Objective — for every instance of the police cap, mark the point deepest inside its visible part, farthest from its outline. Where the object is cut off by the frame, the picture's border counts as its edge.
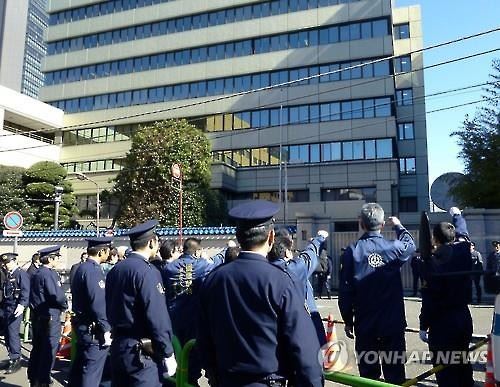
(254, 213)
(52, 250)
(99, 242)
(7, 257)
(495, 243)
(143, 231)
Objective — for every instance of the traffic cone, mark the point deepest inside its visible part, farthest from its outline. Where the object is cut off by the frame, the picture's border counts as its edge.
(331, 333)
(489, 378)
(64, 351)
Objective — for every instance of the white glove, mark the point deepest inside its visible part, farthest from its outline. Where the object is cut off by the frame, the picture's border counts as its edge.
(455, 211)
(107, 339)
(424, 336)
(394, 220)
(170, 365)
(19, 311)
(323, 233)
(231, 243)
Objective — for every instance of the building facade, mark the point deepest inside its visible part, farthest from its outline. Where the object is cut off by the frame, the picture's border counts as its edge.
(22, 24)
(351, 128)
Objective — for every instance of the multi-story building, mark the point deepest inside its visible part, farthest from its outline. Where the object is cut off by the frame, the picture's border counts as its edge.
(356, 133)
(22, 47)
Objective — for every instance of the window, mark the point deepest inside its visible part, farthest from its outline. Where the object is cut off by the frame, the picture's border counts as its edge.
(402, 31)
(407, 166)
(384, 148)
(406, 131)
(408, 204)
(404, 97)
(367, 194)
(402, 64)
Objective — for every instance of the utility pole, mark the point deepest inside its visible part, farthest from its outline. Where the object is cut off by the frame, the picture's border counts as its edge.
(57, 201)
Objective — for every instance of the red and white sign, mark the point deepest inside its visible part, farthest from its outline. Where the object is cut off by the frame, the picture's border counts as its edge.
(12, 233)
(13, 220)
(176, 171)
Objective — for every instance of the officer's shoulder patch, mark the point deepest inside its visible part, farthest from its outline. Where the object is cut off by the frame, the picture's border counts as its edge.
(160, 288)
(375, 260)
(102, 285)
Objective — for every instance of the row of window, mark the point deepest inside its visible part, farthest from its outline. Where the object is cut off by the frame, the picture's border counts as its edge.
(285, 41)
(293, 196)
(185, 23)
(87, 206)
(308, 153)
(214, 87)
(103, 8)
(407, 166)
(367, 194)
(94, 165)
(402, 31)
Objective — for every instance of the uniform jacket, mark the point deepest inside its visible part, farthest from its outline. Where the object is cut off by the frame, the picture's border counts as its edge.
(256, 325)
(370, 287)
(135, 303)
(88, 295)
(441, 291)
(16, 289)
(46, 294)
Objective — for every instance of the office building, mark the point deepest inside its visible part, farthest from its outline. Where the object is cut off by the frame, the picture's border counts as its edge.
(22, 46)
(355, 134)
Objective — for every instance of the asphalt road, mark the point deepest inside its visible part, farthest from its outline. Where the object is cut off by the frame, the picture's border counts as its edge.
(482, 316)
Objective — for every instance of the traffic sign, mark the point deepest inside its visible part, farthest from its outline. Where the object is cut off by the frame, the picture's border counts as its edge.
(12, 233)
(176, 171)
(13, 220)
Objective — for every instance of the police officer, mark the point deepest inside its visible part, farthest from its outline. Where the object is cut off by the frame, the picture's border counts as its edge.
(35, 264)
(493, 259)
(47, 300)
(90, 322)
(138, 314)
(182, 279)
(371, 295)
(257, 331)
(16, 292)
(302, 267)
(477, 266)
(445, 319)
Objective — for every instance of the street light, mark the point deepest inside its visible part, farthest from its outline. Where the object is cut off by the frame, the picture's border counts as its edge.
(82, 176)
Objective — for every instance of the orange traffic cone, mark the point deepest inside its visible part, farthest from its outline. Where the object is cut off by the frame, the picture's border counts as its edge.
(64, 351)
(489, 379)
(331, 334)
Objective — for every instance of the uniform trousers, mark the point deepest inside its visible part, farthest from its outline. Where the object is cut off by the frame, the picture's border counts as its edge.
(12, 327)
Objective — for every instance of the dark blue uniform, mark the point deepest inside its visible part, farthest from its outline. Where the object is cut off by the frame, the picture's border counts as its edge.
(371, 298)
(47, 300)
(89, 323)
(182, 279)
(16, 291)
(303, 266)
(445, 313)
(256, 326)
(136, 309)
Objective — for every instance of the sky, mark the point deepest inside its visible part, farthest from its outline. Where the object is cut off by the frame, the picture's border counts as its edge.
(445, 20)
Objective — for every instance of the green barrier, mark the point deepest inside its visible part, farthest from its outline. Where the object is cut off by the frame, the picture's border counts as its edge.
(353, 380)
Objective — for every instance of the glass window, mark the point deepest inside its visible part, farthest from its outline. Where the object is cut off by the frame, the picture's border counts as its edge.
(382, 107)
(294, 115)
(314, 153)
(366, 30)
(357, 150)
(384, 148)
(408, 204)
(404, 97)
(381, 68)
(368, 108)
(346, 110)
(405, 131)
(380, 28)
(355, 31)
(370, 149)
(333, 34)
(402, 64)
(367, 71)
(344, 33)
(335, 111)
(347, 153)
(357, 109)
(314, 113)
(402, 31)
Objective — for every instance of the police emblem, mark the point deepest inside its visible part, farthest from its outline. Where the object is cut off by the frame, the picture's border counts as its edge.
(102, 284)
(375, 260)
(160, 288)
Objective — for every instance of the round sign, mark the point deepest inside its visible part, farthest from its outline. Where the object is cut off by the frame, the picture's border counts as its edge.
(176, 171)
(13, 220)
(441, 189)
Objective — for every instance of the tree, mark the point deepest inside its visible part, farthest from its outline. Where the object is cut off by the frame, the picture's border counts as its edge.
(143, 187)
(479, 139)
(40, 181)
(12, 191)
